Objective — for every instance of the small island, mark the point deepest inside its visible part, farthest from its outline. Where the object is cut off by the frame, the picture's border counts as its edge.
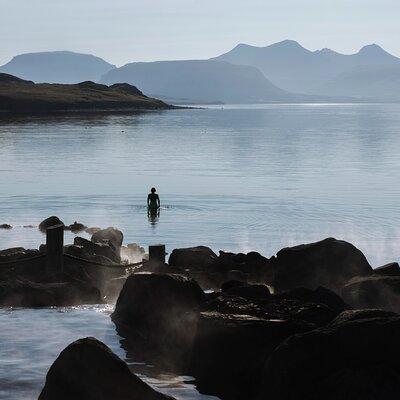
(18, 96)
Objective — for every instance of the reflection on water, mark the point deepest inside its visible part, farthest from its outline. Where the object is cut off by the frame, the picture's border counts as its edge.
(153, 215)
(32, 339)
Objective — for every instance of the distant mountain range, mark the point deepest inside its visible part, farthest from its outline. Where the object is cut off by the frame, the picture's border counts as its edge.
(201, 80)
(57, 67)
(295, 69)
(281, 72)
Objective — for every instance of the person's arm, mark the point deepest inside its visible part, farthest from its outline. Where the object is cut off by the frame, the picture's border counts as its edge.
(158, 201)
(148, 200)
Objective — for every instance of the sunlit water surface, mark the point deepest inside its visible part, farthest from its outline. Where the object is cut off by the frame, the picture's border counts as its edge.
(236, 178)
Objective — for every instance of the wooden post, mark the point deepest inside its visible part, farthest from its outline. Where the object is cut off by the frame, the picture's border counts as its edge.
(55, 248)
(157, 254)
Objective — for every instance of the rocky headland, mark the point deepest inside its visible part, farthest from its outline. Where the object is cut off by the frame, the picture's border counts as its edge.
(18, 96)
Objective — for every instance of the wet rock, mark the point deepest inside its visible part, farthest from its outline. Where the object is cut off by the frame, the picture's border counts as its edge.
(252, 263)
(5, 226)
(105, 249)
(250, 292)
(48, 222)
(373, 292)
(354, 359)
(391, 269)
(231, 284)
(159, 311)
(192, 258)
(76, 227)
(320, 295)
(112, 235)
(23, 293)
(329, 263)
(353, 315)
(229, 351)
(87, 370)
(79, 252)
(224, 303)
(17, 253)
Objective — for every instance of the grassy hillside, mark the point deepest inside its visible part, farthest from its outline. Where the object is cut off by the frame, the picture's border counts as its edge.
(19, 96)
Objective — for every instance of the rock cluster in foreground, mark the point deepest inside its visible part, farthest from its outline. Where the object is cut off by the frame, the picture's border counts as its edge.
(316, 321)
(243, 342)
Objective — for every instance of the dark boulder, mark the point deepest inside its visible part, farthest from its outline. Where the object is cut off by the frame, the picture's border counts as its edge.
(356, 359)
(79, 252)
(253, 264)
(193, 258)
(373, 292)
(159, 311)
(23, 293)
(5, 226)
(76, 227)
(112, 235)
(105, 249)
(223, 303)
(231, 284)
(17, 253)
(250, 292)
(88, 370)
(353, 315)
(391, 269)
(329, 263)
(320, 295)
(229, 351)
(48, 222)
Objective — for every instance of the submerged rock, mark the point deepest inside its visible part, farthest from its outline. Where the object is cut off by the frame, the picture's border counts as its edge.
(373, 292)
(88, 370)
(353, 358)
(329, 263)
(5, 226)
(192, 258)
(48, 222)
(76, 227)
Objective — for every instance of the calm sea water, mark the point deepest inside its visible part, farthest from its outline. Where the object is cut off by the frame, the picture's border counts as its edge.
(237, 178)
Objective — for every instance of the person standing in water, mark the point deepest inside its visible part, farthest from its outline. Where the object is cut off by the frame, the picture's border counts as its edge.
(153, 206)
(153, 201)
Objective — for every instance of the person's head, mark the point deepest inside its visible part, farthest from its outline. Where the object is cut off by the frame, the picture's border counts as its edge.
(153, 190)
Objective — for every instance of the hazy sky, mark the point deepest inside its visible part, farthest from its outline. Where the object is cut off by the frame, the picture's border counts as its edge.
(121, 31)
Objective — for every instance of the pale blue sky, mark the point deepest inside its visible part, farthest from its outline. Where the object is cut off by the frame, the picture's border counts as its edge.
(121, 31)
